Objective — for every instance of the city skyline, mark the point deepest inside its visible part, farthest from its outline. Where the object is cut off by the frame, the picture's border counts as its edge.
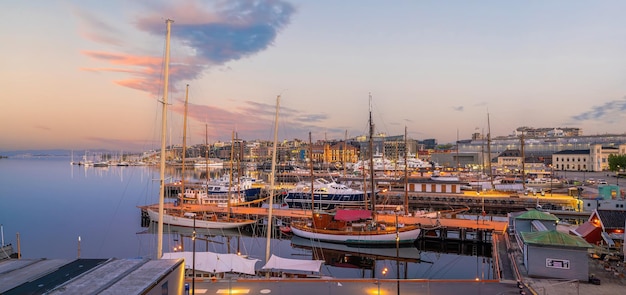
(88, 75)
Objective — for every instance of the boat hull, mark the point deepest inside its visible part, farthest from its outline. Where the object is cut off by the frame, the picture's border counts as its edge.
(189, 222)
(406, 235)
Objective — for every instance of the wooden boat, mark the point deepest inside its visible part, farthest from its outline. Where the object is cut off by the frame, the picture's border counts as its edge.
(355, 226)
(354, 230)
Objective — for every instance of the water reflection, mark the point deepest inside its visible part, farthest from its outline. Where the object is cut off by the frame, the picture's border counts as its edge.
(50, 203)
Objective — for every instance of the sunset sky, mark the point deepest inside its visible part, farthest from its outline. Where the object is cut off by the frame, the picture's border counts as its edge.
(88, 74)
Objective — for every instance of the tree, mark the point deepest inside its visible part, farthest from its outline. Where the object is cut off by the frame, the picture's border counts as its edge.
(617, 162)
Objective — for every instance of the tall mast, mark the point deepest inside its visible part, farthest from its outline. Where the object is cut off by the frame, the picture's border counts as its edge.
(523, 161)
(206, 154)
(406, 174)
(271, 198)
(371, 148)
(163, 134)
(230, 177)
(312, 181)
(457, 151)
(182, 181)
(489, 151)
(343, 156)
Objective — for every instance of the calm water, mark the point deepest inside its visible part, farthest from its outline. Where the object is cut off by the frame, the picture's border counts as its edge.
(51, 203)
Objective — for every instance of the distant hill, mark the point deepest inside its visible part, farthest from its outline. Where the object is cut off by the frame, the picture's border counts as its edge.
(49, 153)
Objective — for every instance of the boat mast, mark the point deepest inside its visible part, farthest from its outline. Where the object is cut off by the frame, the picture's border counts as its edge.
(312, 181)
(458, 164)
(271, 198)
(406, 174)
(371, 148)
(523, 161)
(168, 23)
(206, 155)
(343, 156)
(489, 151)
(182, 180)
(230, 178)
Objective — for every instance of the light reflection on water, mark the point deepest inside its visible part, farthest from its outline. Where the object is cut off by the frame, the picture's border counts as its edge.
(51, 203)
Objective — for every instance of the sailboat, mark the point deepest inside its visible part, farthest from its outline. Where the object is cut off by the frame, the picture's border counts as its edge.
(179, 213)
(356, 226)
(274, 262)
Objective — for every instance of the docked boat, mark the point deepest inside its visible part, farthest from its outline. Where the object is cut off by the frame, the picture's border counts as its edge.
(354, 226)
(544, 183)
(208, 163)
(181, 216)
(243, 189)
(384, 164)
(327, 195)
(101, 164)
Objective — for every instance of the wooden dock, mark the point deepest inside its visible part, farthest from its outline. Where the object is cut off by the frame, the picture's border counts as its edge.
(443, 228)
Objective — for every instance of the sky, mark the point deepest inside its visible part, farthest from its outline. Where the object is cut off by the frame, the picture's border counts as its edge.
(89, 74)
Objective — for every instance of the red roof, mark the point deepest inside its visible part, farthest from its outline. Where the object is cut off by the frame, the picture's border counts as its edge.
(352, 215)
(588, 231)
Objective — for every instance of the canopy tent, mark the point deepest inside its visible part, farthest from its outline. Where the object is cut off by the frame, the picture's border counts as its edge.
(277, 262)
(216, 263)
(352, 214)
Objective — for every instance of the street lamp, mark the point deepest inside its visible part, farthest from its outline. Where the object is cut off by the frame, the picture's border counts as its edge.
(478, 216)
(397, 252)
(617, 175)
(483, 212)
(193, 266)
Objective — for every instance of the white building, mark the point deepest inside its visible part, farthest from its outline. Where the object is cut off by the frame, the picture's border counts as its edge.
(593, 159)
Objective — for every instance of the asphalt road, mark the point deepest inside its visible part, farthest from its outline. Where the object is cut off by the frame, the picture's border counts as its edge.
(352, 286)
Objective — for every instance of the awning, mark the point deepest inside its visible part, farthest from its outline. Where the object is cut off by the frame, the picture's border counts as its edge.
(277, 262)
(352, 215)
(215, 263)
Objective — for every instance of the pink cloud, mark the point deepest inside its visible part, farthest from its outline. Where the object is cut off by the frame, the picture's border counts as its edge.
(144, 69)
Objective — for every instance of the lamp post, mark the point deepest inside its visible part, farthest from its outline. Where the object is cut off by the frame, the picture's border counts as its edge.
(193, 265)
(397, 252)
(483, 209)
(617, 176)
(478, 215)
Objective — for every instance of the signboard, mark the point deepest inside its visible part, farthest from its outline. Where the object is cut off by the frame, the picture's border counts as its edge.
(557, 263)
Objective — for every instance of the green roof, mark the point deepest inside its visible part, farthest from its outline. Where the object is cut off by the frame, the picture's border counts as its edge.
(554, 238)
(537, 215)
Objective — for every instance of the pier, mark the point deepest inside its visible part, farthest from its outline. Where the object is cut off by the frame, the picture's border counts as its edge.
(441, 227)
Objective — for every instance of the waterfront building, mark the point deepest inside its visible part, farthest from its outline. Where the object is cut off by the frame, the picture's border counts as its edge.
(609, 197)
(595, 158)
(553, 254)
(548, 253)
(604, 227)
(540, 147)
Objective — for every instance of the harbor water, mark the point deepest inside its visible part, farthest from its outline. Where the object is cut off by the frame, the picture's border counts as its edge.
(66, 211)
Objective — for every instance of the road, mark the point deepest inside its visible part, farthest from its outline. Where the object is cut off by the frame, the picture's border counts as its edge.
(355, 286)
